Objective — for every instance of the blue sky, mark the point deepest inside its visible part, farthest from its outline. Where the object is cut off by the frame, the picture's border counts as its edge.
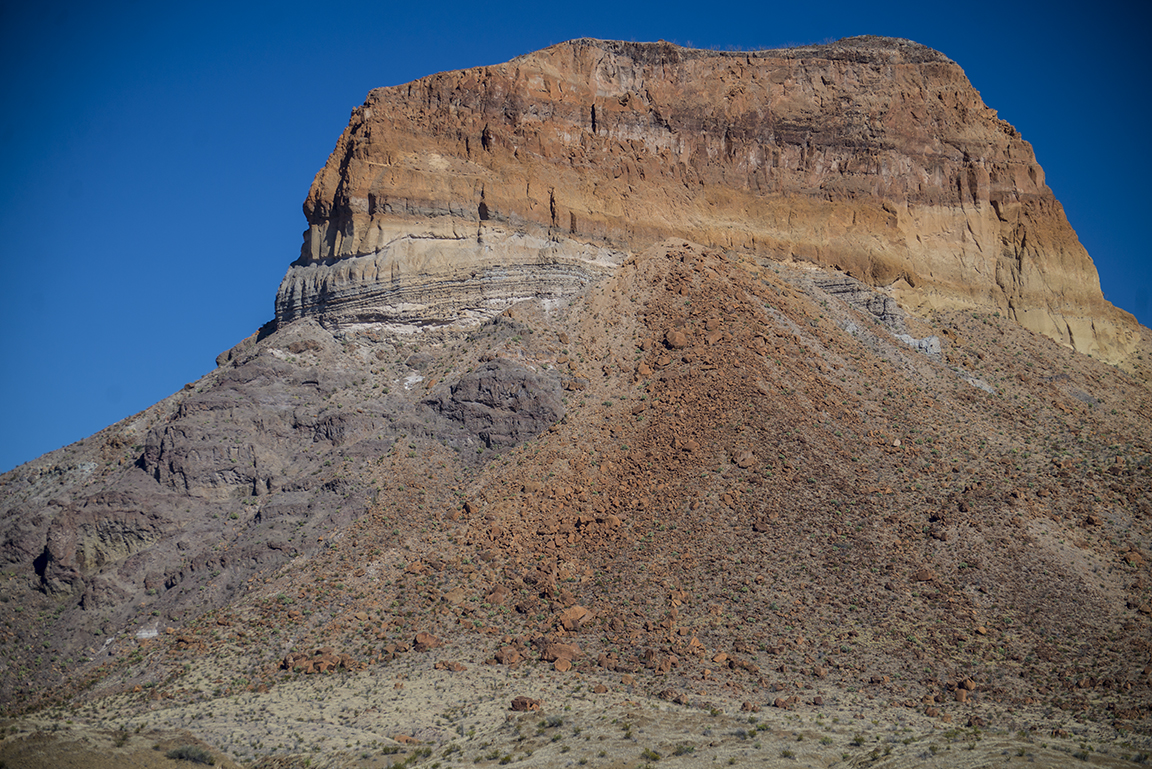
(154, 156)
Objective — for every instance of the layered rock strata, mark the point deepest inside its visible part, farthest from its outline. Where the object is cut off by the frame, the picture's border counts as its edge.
(452, 196)
(434, 273)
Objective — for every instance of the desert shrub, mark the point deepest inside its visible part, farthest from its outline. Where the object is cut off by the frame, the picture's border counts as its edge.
(193, 753)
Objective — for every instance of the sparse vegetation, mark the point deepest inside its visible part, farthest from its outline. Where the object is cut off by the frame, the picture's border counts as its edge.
(726, 543)
(192, 753)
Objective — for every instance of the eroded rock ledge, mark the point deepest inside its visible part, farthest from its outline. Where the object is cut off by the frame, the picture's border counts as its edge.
(450, 197)
(431, 274)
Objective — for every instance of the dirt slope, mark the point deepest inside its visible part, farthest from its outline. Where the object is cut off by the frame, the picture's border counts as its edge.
(754, 491)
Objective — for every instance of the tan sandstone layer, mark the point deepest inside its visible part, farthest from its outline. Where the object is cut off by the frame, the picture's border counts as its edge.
(450, 197)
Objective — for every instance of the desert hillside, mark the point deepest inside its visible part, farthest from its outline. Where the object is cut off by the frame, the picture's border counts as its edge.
(610, 416)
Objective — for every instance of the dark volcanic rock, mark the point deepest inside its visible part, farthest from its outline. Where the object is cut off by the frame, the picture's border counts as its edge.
(171, 512)
(504, 403)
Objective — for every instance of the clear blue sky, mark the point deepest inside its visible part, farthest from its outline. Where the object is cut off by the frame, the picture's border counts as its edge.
(154, 156)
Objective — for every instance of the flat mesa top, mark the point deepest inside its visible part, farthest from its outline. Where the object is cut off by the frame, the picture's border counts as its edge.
(861, 48)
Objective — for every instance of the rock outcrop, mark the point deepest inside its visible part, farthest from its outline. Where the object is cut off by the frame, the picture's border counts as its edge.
(503, 403)
(448, 198)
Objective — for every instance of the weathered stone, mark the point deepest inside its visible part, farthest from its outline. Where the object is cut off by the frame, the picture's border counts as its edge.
(508, 655)
(573, 617)
(676, 339)
(523, 703)
(504, 403)
(426, 642)
(555, 651)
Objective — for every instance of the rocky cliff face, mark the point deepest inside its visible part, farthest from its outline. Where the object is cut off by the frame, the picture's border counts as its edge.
(448, 198)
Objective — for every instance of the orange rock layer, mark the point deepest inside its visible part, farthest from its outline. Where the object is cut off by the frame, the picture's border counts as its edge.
(451, 196)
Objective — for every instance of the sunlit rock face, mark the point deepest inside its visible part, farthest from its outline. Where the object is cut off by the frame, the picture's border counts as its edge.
(435, 273)
(449, 198)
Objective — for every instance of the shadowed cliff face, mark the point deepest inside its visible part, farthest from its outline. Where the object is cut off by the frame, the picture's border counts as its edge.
(450, 197)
